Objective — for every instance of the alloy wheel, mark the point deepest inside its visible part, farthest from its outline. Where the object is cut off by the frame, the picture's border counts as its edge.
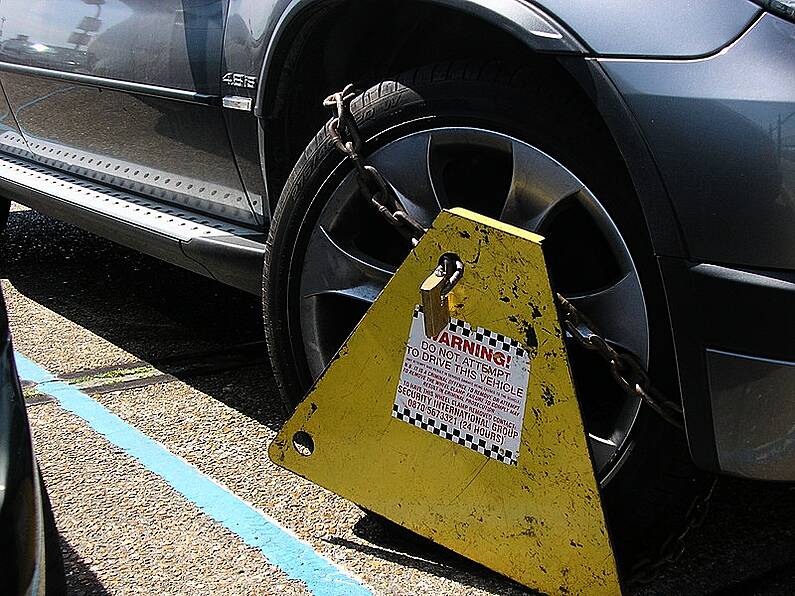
(352, 253)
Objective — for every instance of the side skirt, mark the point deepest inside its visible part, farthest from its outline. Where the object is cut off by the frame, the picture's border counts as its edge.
(230, 253)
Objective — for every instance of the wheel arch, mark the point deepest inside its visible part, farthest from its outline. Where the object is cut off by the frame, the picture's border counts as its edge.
(539, 32)
(504, 28)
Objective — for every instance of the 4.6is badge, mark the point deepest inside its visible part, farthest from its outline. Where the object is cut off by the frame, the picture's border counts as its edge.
(237, 79)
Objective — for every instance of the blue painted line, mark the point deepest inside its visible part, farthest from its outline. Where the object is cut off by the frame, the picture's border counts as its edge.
(293, 556)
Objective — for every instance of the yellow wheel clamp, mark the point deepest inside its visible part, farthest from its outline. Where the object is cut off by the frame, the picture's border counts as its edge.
(471, 437)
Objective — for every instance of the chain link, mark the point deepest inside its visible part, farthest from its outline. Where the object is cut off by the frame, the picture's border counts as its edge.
(344, 133)
(646, 570)
(625, 369)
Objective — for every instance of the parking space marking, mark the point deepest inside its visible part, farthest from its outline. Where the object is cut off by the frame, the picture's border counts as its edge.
(280, 546)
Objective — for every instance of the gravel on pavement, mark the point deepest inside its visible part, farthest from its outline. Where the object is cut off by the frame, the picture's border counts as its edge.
(97, 313)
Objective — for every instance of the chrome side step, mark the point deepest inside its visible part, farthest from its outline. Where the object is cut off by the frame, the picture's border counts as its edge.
(184, 192)
(227, 252)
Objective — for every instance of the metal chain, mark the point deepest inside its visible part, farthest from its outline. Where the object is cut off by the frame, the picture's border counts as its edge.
(646, 570)
(344, 133)
(631, 377)
(627, 372)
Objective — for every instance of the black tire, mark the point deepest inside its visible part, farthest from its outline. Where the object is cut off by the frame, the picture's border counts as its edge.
(648, 497)
(55, 577)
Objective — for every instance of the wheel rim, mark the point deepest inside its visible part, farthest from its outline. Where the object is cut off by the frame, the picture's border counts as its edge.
(351, 253)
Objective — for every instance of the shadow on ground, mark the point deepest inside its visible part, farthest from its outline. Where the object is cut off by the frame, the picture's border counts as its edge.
(80, 580)
(392, 542)
(159, 313)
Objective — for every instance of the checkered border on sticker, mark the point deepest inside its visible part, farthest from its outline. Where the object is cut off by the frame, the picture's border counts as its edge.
(453, 434)
(495, 340)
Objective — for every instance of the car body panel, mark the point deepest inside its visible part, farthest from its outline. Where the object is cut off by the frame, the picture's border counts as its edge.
(745, 395)
(171, 150)
(244, 130)
(675, 28)
(118, 67)
(722, 132)
(735, 358)
(660, 218)
(10, 135)
(169, 43)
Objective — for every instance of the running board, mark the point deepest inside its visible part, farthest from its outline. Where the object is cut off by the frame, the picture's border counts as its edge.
(229, 253)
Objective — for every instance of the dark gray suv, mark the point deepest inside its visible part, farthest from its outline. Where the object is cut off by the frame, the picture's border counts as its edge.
(651, 142)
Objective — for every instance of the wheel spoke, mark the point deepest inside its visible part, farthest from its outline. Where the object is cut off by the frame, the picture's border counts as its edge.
(602, 450)
(405, 166)
(619, 313)
(538, 185)
(332, 269)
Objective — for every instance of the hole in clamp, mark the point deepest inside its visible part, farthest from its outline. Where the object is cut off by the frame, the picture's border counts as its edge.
(303, 443)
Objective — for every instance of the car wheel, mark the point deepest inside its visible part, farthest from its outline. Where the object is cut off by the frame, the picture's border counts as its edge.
(519, 144)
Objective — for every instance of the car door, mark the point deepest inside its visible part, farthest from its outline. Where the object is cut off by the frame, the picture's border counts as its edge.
(125, 92)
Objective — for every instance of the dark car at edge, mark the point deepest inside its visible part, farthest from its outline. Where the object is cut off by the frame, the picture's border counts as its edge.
(29, 545)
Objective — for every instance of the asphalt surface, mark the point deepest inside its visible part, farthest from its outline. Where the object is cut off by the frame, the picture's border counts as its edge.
(182, 359)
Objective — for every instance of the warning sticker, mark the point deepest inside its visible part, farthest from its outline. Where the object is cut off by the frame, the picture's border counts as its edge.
(466, 385)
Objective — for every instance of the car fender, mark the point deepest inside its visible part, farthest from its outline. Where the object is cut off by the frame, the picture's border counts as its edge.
(677, 28)
(654, 28)
(519, 19)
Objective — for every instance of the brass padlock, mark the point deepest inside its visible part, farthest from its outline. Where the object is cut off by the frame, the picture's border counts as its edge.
(435, 305)
(434, 291)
